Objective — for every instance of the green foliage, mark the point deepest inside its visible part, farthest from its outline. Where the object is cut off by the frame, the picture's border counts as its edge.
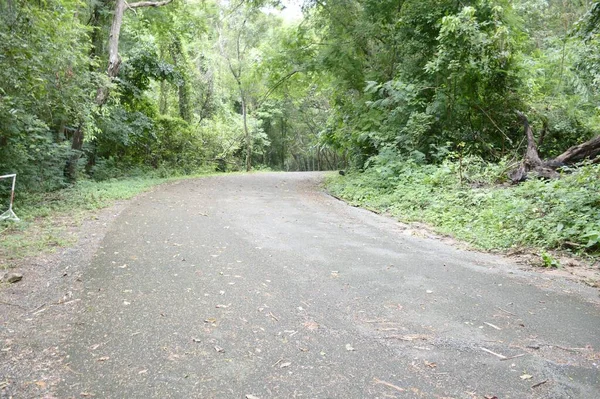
(45, 88)
(136, 73)
(549, 261)
(544, 214)
(416, 75)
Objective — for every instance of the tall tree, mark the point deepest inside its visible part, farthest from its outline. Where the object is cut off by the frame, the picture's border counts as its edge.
(240, 30)
(114, 60)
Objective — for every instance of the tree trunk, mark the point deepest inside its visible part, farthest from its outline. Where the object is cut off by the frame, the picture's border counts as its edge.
(114, 61)
(589, 149)
(246, 132)
(179, 59)
(162, 98)
(547, 169)
(318, 158)
(282, 144)
(76, 151)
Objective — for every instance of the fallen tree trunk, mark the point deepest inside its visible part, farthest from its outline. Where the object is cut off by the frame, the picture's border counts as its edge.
(532, 163)
(590, 149)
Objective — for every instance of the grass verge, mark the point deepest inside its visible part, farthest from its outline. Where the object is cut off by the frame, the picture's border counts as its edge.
(47, 219)
(465, 202)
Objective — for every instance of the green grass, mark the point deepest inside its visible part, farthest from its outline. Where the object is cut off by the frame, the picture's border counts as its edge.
(48, 219)
(543, 215)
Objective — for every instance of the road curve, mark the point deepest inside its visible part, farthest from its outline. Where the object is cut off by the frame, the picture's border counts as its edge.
(262, 286)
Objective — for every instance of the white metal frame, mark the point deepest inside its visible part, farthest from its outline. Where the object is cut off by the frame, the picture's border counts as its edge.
(9, 214)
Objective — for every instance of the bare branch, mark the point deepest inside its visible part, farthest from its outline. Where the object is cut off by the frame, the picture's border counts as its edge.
(235, 8)
(275, 86)
(149, 4)
(129, 7)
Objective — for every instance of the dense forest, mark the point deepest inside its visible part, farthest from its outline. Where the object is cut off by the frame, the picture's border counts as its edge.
(99, 89)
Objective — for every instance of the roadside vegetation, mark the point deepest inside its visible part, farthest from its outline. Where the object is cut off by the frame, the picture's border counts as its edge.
(46, 219)
(470, 203)
(479, 117)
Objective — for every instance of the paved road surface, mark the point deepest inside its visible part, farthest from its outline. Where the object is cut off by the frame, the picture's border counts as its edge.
(261, 286)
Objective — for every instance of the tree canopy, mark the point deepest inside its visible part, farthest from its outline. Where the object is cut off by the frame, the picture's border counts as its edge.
(228, 85)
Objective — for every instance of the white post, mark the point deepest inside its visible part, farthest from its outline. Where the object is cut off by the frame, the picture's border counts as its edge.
(9, 214)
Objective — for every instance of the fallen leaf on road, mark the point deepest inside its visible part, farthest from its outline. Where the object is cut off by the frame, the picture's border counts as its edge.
(277, 362)
(210, 320)
(430, 364)
(526, 377)
(311, 325)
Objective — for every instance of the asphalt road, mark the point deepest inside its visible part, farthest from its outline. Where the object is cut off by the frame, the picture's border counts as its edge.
(262, 286)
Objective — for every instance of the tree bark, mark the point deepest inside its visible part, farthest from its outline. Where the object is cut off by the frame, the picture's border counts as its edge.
(148, 4)
(246, 132)
(179, 59)
(162, 98)
(547, 168)
(589, 149)
(283, 125)
(76, 151)
(114, 60)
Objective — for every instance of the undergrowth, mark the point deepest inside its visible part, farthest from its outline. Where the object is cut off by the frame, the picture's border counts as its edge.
(470, 201)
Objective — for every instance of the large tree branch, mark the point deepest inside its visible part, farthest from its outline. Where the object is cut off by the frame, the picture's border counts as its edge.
(275, 86)
(149, 4)
(589, 149)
